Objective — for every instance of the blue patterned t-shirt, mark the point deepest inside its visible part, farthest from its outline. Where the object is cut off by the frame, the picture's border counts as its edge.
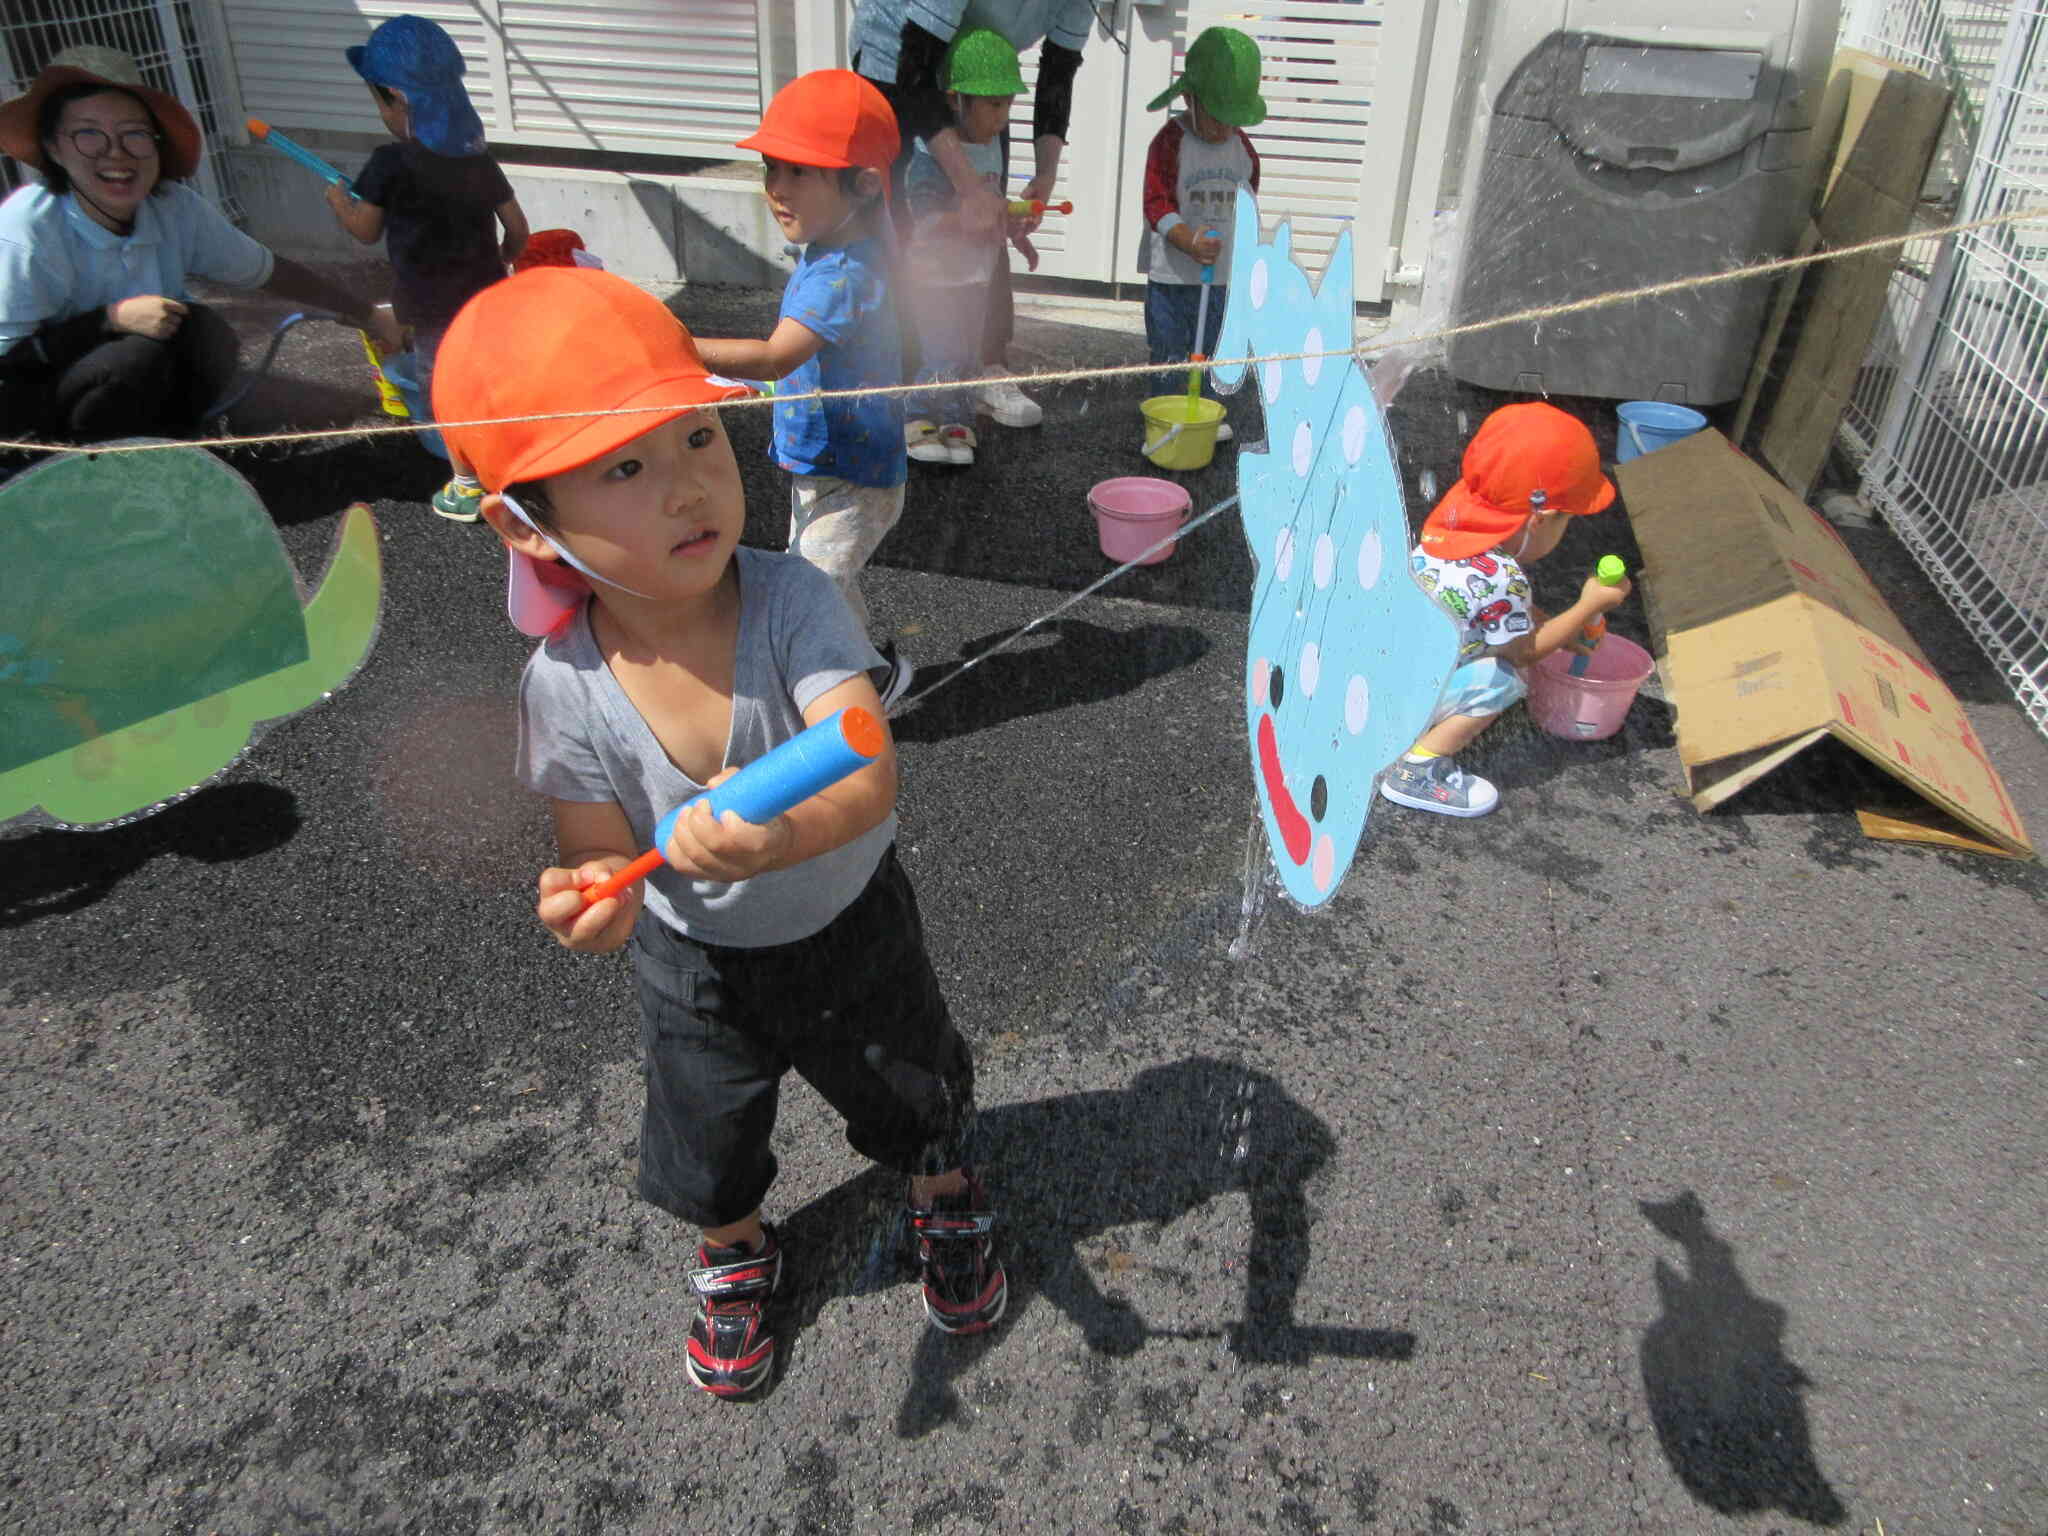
(841, 294)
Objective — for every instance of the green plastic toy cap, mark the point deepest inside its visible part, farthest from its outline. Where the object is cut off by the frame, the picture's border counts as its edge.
(982, 62)
(1610, 570)
(1223, 75)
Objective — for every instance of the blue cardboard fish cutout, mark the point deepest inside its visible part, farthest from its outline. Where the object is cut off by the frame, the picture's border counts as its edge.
(1346, 655)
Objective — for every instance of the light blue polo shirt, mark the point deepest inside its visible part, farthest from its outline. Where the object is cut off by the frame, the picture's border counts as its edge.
(877, 30)
(55, 262)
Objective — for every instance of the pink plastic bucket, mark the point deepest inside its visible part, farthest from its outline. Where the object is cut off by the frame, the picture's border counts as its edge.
(1592, 707)
(1134, 512)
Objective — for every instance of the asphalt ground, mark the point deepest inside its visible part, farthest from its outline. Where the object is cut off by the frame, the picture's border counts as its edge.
(1600, 1166)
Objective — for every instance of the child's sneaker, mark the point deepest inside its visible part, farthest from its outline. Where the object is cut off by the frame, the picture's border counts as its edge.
(1438, 784)
(898, 670)
(731, 1350)
(1225, 432)
(921, 440)
(960, 443)
(1008, 404)
(965, 1288)
(459, 503)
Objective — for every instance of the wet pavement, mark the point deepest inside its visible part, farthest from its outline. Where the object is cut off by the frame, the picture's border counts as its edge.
(1600, 1166)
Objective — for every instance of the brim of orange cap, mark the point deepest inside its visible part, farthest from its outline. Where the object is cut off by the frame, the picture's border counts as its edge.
(1482, 525)
(677, 395)
(1602, 499)
(795, 152)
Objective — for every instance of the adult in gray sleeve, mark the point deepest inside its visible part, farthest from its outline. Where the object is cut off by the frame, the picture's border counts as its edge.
(98, 337)
(901, 46)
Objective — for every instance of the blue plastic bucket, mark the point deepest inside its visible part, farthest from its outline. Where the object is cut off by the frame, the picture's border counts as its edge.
(404, 371)
(1647, 425)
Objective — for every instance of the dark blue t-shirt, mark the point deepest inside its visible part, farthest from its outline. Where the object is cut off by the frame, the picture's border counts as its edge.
(440, 227)
(841, 294)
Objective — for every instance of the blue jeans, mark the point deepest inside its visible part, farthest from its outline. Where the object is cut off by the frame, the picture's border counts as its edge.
(1170, 312)
(949, 318)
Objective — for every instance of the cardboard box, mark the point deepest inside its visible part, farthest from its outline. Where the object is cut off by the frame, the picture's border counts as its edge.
(1873, 195)
(1771, 638)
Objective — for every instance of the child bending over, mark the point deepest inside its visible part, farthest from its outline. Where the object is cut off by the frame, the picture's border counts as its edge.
(1526, 470)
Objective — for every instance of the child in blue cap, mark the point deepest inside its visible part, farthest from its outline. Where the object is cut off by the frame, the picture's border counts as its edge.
(435, 197)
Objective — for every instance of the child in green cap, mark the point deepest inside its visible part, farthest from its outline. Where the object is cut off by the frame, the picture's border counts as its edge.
(1192, 173)
(948, 269)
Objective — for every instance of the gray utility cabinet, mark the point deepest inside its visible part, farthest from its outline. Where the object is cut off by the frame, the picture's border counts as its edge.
(1615, 154)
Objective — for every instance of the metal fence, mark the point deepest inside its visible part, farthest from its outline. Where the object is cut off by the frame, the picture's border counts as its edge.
(1950, 414)
(173, 41)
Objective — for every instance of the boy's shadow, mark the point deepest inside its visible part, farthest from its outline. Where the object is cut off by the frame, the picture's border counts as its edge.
(1063, 1170)
(1066, 661)
(1722, 1395)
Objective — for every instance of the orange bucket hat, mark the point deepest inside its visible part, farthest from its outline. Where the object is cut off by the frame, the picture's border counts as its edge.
(91, 64)
(830, 118)
(1523, 459)
(587, 340)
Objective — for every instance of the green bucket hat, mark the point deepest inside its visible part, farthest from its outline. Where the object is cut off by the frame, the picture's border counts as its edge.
(1223, 75)
(983, 62)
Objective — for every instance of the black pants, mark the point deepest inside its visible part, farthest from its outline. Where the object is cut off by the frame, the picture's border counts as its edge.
(854, 1009)
(121, 386)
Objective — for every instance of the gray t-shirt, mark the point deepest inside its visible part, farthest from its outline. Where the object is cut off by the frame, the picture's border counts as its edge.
(580, 738)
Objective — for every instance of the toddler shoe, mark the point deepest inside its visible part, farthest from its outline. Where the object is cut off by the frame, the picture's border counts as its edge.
(1008, 404)
(923, 442)
(1225, 432)
(1438, 784)
(457, 502)
(960, 443)
(965, 1286)
(731, 1350)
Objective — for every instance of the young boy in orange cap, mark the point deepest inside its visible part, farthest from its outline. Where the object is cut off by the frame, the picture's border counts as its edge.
(1527, 469)
(675, 656)
(827, 140)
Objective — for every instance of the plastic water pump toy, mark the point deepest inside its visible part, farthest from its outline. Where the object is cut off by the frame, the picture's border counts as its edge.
(1030, 205)
(263, 133)
(814, 759)
(1610, 570)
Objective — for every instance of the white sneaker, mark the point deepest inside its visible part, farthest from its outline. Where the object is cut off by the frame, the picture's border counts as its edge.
(960, 443)
(921, 440)
(1225, 432)
(1008, 404)
(1438, 784)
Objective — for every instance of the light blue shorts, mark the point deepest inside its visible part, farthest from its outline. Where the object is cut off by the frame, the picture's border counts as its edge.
(1483, 687)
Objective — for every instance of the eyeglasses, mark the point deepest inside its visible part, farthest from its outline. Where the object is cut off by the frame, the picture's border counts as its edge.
(97, 144)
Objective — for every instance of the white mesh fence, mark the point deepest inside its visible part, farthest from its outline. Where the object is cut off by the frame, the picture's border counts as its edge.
(1950, 413)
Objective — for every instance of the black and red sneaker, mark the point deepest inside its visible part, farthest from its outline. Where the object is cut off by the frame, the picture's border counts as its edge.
(731, 1350)
(965, 1288)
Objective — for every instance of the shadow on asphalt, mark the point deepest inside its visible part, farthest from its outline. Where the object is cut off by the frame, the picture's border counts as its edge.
(1723, 1397)
(1063, 663)
(1066, 1170)
(49, 873)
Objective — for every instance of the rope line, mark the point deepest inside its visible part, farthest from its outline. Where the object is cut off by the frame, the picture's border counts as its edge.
(1120, 370)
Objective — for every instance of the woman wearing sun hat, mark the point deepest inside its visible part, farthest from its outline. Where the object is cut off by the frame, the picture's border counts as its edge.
(98, 338)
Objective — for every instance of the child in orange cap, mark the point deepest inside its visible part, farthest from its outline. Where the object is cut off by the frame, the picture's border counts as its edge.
(1526, 470)
(675, 656)
(827, 140)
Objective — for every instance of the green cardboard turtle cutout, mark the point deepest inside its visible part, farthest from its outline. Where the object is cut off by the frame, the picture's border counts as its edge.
(150, 620)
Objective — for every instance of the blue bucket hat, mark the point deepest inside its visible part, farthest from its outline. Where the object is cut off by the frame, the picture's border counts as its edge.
(417, 56)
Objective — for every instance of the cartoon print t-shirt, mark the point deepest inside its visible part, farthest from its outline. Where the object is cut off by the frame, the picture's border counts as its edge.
(1487, 594)
(841, 295)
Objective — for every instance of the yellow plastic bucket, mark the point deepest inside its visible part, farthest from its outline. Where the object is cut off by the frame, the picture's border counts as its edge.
(1181, 433)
